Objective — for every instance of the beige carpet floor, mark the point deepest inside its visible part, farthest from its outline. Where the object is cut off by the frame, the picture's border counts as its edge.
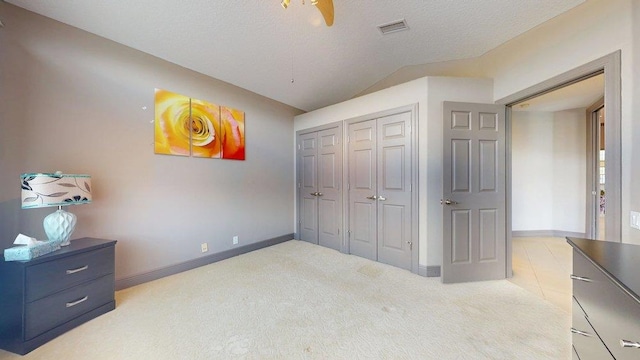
(300, 301)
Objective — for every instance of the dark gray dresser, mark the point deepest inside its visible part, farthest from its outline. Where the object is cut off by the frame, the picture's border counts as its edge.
(51, 294)
(606, 305)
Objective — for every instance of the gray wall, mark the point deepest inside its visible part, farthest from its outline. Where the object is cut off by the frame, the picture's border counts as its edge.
(72, 101)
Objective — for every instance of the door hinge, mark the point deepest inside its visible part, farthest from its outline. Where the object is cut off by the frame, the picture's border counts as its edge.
(410, 245)
(349, 233)
(338, 231)
(299, 147)
(348, 138)
(410, 129)
(348, 186)
(299, 185)
(410, 187)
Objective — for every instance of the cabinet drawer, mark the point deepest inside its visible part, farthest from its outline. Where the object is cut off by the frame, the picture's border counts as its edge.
(610, 310)
(54, 310)
(50, 277)
(586, 342)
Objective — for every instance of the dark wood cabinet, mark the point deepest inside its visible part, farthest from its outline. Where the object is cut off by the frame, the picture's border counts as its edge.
(51, 294)
(606, 305)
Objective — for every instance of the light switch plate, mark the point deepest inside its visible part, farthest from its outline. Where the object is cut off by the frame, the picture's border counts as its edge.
(635, 220)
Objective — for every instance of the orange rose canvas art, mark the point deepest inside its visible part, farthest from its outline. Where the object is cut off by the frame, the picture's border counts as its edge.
(172, 123)
(186, 126)
(233, 133)
(206, 134)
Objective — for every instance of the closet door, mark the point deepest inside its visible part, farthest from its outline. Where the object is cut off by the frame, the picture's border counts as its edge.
(362, 189)
(380, 197)
(329, 179)
(319, 187)
(394, 190)
(308, 187)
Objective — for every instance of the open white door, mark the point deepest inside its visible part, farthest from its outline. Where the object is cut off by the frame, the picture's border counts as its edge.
(474, 213)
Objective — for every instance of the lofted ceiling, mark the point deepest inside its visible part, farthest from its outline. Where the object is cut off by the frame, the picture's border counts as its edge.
(291, 55)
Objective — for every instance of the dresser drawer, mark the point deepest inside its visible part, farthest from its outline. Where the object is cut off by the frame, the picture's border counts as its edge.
(53, 276)
(46, 313)
(610, 310)
(586, 342)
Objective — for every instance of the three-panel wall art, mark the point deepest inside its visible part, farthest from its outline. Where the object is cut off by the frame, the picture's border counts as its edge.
(190, 127)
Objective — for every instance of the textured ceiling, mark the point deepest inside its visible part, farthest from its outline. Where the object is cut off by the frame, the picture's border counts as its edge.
(259, 46)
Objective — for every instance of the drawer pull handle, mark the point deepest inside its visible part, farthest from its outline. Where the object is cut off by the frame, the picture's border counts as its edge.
(629, 344)
(580, 278)
(74, 303)
(576, 331)
(73, 271)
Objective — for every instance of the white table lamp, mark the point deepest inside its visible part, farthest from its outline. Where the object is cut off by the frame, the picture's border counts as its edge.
(56, 189)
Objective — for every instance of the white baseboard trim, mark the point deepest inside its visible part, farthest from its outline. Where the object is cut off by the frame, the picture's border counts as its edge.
(201, 261)
(546, 233)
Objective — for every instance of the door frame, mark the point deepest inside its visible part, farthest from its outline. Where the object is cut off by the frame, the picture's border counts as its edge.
(415, 239)
(593, 171)
(611, 67)
(337, 124)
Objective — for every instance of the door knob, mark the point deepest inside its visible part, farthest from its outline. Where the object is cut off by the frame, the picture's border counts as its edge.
(372, 197)
(319, 194)
(314, 193)
(382, 198)
(447, 202)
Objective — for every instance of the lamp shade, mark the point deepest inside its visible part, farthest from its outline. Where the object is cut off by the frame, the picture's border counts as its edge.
(54, 189)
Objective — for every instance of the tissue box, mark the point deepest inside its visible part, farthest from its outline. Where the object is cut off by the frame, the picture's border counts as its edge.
(28, 252)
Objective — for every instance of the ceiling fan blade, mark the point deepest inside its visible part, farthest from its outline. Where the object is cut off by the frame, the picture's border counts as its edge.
(326, 9)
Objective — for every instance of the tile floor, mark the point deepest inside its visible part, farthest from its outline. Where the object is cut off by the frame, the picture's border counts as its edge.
(542, 265)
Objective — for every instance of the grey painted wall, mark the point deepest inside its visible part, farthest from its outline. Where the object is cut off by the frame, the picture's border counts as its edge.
(73, 101)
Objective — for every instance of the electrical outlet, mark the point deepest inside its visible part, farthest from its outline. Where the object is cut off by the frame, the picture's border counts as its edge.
(204, 247)
(235, 240)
